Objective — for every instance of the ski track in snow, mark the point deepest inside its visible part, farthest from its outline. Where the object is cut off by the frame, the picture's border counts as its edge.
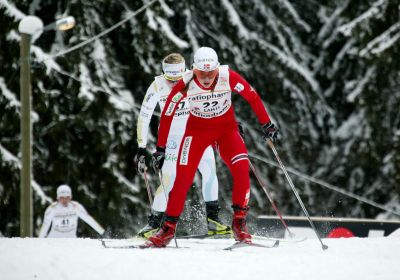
(353, 258)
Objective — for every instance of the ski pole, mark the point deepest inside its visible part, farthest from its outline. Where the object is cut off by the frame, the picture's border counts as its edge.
(166, 197)
(271, 145)
(149, 191)
(264, 187)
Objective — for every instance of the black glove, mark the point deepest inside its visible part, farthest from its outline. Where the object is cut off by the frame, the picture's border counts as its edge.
(158, 159)
(140, 160)
(270, 131)
(241, 130)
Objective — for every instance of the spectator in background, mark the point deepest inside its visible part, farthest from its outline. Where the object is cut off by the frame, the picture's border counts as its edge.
(62, 216)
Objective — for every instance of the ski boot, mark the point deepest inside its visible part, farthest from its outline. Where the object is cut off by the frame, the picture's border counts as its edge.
(154, 221)
(214, 224)
(240, 231)
(165, 234)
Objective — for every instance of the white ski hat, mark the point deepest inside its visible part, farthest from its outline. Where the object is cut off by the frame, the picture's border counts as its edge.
(205, 59)
(64, 191)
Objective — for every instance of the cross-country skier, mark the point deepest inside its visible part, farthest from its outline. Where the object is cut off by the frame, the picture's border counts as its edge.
(63, 215)
(208, 88)
(174, 67)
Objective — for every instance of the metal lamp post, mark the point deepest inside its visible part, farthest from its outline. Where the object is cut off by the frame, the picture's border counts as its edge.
(30, 26)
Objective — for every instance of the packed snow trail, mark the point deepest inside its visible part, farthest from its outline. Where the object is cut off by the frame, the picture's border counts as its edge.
(352, 258)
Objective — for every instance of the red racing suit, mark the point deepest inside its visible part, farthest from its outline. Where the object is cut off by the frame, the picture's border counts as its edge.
(211, 122)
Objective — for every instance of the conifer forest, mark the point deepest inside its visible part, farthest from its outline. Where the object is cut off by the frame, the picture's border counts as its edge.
(327, 71)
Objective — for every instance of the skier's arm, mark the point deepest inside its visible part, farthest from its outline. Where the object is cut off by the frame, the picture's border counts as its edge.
(149, 103)
(242, 87)
(83, 214)
(48, 217)
(167, 114)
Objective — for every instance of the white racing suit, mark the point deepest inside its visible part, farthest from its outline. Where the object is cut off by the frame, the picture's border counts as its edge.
(64, 220)
(157, 93)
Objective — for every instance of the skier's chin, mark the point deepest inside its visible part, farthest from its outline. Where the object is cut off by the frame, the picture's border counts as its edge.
(205, 84)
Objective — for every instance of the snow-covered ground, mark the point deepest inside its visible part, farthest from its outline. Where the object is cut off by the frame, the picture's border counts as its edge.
(352, 258)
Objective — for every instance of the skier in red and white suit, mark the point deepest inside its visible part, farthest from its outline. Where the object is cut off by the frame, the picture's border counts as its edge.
(208, 89)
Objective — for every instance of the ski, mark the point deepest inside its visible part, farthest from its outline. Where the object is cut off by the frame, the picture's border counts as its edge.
(204, 236)
(124, 246)
(252, 244)
(107, 245)
(257, 237)
(288, 240)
